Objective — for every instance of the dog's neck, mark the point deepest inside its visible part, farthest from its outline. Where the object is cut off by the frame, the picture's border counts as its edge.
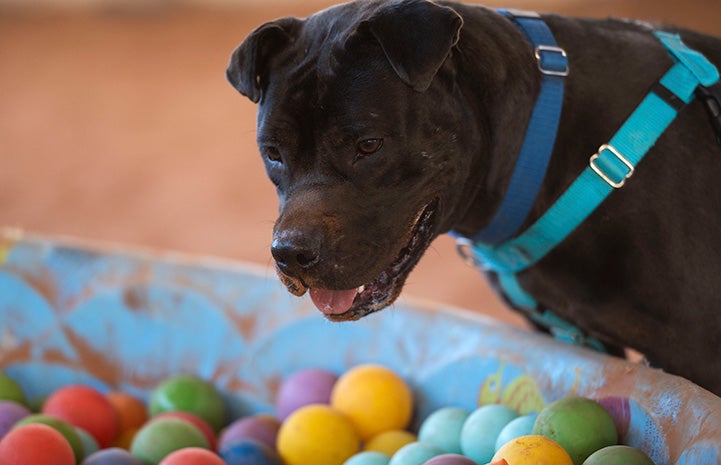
(501, 87)
(499, 82)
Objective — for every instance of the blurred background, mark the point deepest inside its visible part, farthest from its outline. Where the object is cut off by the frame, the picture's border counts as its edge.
(117, 124)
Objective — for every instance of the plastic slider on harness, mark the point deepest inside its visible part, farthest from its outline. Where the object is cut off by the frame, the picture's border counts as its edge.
(711, 97)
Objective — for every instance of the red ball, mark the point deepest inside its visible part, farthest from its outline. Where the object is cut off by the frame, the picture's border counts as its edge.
(20, 446)
(86, 408)
(195, 420)
(192, 456)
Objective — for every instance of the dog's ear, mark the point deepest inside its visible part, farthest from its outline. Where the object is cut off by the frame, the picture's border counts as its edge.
(417, 37)
(248, 68)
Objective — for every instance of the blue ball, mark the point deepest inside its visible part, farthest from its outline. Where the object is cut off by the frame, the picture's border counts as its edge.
(443, 428)
(112, 456)
(368, 458)
(415, 453)
(521, 426)
(481, 430)
(245, 451)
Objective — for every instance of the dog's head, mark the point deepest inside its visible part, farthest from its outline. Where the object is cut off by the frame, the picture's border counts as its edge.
(360, 138)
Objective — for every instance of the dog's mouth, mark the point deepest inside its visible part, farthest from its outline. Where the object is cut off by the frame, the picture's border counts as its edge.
(353, 304)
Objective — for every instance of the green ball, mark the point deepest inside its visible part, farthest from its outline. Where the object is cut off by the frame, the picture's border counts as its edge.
(188, 393)
(11, 390)
(163, 436)
(579, 425)
(618, 455)
(66, 429)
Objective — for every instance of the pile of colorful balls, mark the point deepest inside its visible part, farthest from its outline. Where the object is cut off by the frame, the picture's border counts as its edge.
(360, 417)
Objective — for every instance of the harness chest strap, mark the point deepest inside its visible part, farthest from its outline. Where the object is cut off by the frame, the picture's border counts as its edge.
(608, 170)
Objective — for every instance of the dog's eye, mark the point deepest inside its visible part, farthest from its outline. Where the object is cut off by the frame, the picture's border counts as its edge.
(272, 154)
(369, 146)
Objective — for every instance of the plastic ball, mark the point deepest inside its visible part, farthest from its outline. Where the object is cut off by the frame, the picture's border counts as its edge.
(450, 459)
(192, 456)
(389, 442)
(304, 387)
(416, 453)
(35, 444)
(443, 428)
(246, 451)
(63, 427)
(620, 410)
(130, 411)
(86, 408)
(317, 434)
(112, 456)
(581, 426)
(10, 389)
(368, 458)
(533, 450)
(196, 421)
(374, 398)
(90, 445)
(192, 394)
(521, 426)
(481, 430)
(262, 427)
(159, 438)
(10, 413)
(618, 455)
(125, 439)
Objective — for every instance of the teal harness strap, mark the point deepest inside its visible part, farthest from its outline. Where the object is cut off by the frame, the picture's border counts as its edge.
(608, 170)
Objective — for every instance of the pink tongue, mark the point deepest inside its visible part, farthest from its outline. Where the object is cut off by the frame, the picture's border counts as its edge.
(332, 302)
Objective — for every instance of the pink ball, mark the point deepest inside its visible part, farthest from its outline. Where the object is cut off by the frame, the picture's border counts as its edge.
(262, 427)
(20, 446)
(10, 413)
(192, 456)
(450, 459)
(193, 419)
(86, 408)
(304, 387)
(620, 410)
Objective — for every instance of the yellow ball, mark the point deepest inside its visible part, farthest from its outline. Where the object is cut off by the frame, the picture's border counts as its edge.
(533, 450)
(389, 442)
(374, 398)
(317, 434)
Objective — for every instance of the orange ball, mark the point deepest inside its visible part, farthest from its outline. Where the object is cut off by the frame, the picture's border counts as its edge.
(130, 410)
(86, 408)
(533, 450)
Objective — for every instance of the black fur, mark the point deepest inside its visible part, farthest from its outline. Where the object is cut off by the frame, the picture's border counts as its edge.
(451, 107)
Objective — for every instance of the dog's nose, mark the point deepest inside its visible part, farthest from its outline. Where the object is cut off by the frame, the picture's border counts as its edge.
(295, 251)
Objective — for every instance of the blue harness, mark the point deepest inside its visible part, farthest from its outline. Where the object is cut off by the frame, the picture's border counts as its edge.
(499, 247)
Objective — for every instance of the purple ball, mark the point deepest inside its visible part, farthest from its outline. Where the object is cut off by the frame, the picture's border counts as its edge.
(112, 456)
(304, 387)
(450, 459)
(262, 427)
(10, 413)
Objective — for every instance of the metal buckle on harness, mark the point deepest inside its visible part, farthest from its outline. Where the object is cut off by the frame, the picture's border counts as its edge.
(551, 49)
(606, 177)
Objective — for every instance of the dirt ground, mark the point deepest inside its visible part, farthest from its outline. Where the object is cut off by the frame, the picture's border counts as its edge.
(118, 125)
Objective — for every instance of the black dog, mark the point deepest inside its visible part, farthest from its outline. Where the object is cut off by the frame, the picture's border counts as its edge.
(385, 124)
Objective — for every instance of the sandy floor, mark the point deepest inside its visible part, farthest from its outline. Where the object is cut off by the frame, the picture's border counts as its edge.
(119, 126)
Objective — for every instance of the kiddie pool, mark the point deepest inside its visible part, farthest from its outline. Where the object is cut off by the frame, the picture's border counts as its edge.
(121, 318)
